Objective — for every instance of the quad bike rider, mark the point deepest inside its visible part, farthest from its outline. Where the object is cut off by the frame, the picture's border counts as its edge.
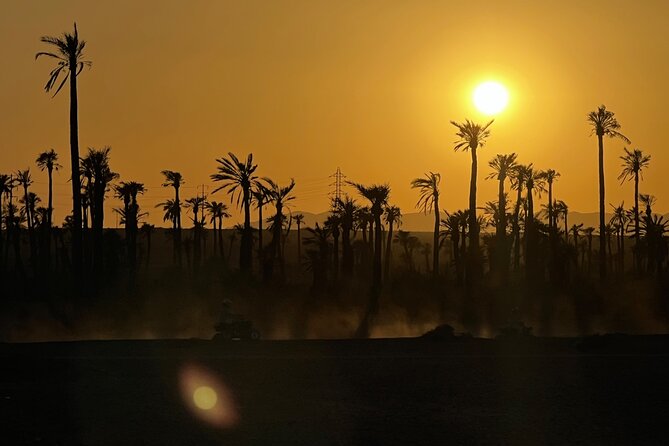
(234, 326)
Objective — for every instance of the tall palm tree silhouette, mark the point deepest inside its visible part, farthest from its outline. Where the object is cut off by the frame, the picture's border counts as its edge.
(518, 175)
(24, 179)
(237, 178)
(634, 162)
(6, 184)
(347, 209)
(428, 201)
(550, 176)
(218, 211)
(68, 52)
(393, 216)
(280, 196)
(96, 167)
(471, 136)
(174, 180)
(604, 123)
(377, 194)
(260, 198)
(128, 191)
(619, 221)
(49, 160)
(562, 211)
(333, 225)
(503, 166)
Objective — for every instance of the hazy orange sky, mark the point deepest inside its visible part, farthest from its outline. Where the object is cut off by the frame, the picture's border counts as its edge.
(369, 86)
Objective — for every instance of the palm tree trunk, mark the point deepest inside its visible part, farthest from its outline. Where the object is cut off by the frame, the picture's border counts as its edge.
(602, 223)
(376, 276)
(299, 245)
(260, 245)
(435, 239)
(386, 266)
(637, 247)
(75, 179)
(473, 226)
(246, 245)
(177, 235)
(516, 230)
(49, 224)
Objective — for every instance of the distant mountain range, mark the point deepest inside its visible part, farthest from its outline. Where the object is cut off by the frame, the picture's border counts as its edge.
(419, 222)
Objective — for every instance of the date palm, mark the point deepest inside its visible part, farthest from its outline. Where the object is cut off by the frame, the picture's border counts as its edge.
(550, 176)
(503, 166)
(604, 123)
(49, 160)
(68, 54)
(6, 185)
(217, 212)
(96, 167)
(428, 201)
(634, 162)
(237, 178)
(299, 219)
(280, 196)
(347, 209)
(619, 220)
(260, 198)
(128, 191)
(518, 175)
(174, 180)
(451, 230)
(377, 194)
(471, 136)
(393, 216)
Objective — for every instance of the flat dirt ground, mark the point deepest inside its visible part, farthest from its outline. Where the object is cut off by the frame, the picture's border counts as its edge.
(598, 391)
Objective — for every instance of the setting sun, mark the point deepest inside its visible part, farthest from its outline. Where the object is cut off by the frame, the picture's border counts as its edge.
(491, 98)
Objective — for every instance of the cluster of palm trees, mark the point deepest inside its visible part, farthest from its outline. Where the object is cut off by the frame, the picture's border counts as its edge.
(355, 239)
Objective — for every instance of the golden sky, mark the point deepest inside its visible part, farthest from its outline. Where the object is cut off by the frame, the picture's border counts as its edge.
(369, 86)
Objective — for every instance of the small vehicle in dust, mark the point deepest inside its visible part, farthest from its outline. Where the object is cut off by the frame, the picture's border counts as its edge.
(236, 329)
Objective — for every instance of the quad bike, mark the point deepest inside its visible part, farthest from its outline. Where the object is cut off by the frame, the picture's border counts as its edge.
(236, 329)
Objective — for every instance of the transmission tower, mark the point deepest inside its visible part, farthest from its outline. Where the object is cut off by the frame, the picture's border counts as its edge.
(337, 184)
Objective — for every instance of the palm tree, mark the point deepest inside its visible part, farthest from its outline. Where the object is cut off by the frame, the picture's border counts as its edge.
(428, 200)
(128, 191)
(378, 197)
(280, 196)
(49, 160)
(24, 179)
(471, 136)
(299, 219)
(174, 180)
(503, 166)
(632, 168)
(217, 212)
(260, 198)
(451, 230)
(619, 221)
(333, 225)
(549, 176)
(6, 185)
(604, 123)
(237, 178)
(562, 210)
(534, 183)
(393, 215)
(69, 58)
(347, 210)
(576, 230)
(518, 175)
(95, 166)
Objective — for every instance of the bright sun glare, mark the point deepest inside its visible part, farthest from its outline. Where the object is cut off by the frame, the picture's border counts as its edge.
(491, 97)
(205, 397)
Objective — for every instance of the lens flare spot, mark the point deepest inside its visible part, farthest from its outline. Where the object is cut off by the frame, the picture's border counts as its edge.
(205, 397)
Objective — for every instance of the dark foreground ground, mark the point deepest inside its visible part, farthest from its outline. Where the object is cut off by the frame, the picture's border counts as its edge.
(604, 390)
